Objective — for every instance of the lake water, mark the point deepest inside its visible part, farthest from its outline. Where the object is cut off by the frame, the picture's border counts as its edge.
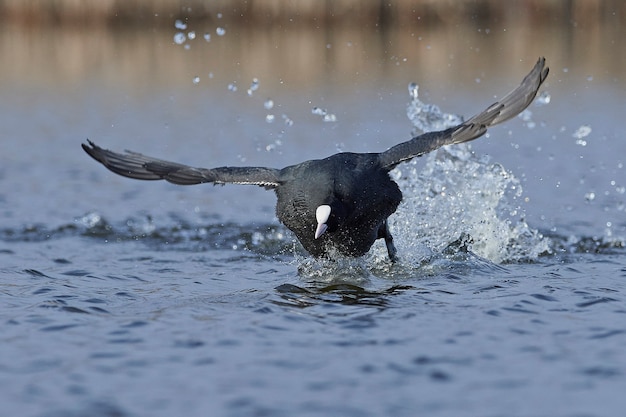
(129, 298)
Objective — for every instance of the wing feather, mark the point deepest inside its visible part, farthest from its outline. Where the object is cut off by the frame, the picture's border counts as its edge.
(142, 167)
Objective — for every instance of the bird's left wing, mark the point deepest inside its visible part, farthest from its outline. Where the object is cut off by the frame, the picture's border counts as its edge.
(507, 107)
(138, 166)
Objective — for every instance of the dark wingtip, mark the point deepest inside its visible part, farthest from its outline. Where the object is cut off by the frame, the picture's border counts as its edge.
(541, 62)
(541, 69)
(87, 147)
(90, 148)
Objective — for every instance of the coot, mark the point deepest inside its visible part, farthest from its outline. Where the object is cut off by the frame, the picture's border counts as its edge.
(339, 204)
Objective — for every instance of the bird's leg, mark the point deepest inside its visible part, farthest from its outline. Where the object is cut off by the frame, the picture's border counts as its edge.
(383, 233)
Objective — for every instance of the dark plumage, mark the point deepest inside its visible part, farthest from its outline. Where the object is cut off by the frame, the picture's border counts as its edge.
(339, 203)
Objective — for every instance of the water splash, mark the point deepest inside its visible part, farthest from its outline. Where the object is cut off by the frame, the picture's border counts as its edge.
(457, 196)
(428, 117)
(527, 117)
(543, 99)
(339, 270)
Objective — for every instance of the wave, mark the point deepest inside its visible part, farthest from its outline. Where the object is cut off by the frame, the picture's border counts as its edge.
(423, 235)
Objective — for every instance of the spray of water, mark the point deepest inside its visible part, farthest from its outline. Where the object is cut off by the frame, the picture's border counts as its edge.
(455, 197)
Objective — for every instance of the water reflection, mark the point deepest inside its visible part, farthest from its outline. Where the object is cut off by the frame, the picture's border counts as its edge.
(336, 293)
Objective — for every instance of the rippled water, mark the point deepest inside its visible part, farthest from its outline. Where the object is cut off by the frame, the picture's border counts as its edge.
(224, 319)
(128, 298)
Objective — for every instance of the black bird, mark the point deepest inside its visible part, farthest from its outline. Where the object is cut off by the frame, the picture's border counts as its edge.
(340, 203)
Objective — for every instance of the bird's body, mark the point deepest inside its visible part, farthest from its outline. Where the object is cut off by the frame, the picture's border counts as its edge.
(359, 191)
(340, 203)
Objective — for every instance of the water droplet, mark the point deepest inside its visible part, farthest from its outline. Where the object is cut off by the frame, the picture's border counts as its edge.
(220, 31)
(191, 35)
(270, 147)
(287, 120)
(232, 86)
(179, 24)
(179, 38)
(327, 117)
(90, 219)
(270, 118)
(219, 15)
(211, 75)
(582, 132)
(269, 104)
(318, 111)
(253, 86)
(196, 79)
(590, 196)
(207, 37)
(414, 90)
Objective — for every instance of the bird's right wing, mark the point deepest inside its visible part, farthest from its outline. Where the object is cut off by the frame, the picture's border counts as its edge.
(509, 106)
(138, 166)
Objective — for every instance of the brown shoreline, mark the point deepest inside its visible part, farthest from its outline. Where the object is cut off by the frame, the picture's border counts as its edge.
(310, 12)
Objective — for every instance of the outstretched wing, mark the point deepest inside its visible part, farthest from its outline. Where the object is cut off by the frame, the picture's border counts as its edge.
(509, 106)
(138, 166)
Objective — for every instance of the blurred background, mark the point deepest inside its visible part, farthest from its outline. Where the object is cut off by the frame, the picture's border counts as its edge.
(125, 42)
